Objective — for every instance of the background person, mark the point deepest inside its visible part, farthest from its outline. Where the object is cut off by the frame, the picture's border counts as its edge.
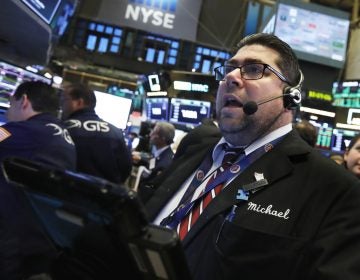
(352, 156)
(255, 213)
(33, 132)
(161, 137)
(207, 129)
(307, 131)
(100, 146)
(338, 158)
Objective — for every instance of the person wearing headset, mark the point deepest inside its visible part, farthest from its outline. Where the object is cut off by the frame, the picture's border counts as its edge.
(278, 207)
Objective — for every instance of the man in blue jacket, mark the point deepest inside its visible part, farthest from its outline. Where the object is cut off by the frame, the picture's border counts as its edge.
(100, 146)
(34, 132)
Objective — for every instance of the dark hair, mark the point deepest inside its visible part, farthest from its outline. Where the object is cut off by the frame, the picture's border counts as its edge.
(353, 141)
(307, 132)
(77, 91)
(287, 62)
(42, 96)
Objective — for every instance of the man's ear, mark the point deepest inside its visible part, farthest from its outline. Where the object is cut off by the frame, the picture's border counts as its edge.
(79, 103)
(25, 102)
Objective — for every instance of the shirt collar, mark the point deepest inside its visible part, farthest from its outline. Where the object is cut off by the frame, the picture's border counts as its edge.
(281, 131)
(156, 152)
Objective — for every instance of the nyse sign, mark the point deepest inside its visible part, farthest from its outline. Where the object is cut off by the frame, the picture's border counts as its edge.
(163, 17)
(151, 16)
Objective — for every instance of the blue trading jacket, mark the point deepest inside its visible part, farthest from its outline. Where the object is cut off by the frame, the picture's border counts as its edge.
(100, 146)
(42, 138)
(24, 249)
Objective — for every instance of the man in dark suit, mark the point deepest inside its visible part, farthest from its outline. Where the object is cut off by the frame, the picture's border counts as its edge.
(279, 208)
(161, 137)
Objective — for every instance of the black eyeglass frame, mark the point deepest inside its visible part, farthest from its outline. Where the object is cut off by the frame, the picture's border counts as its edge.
(218, 71)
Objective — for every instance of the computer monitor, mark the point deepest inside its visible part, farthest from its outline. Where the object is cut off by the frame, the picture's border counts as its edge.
(189, 111)
(346, 93)
(113, 109)
(317, 33)
(157, 108)
(341, 139)
(324, 137)
(11, 76)
(44, 9)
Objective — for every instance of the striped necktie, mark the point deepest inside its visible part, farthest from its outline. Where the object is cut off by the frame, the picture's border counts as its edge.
(189, 220)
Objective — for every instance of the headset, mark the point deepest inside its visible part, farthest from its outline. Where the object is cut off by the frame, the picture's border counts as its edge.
(292, 95)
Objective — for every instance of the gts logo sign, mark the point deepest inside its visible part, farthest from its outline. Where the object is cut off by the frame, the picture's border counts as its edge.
(89, 125)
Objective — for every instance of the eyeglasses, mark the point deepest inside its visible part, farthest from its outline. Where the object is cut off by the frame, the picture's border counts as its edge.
(253, 71)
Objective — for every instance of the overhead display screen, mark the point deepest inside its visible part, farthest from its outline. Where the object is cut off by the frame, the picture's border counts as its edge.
(187, 111)
(62, 17)
(316, 33)
(172, 18)
(45, 9)
(341, 139)
(346, 94)
(157, 108)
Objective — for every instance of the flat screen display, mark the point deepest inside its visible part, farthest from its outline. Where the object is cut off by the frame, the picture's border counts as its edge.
(188, 111)
(113, 109)
(316, 33)
(62, 17)
(157, 108)
(346, 94)
(341, 139)
(323, 140)
(45, 9)
(11, 77)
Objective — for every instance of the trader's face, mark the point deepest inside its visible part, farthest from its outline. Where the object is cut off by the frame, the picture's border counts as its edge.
(352, 159)
(155, 138)
(235, 91)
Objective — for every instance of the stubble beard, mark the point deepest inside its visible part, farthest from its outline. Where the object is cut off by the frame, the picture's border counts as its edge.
(236, 131)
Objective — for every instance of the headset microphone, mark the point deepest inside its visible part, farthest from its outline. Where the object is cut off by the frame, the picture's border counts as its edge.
(251, 107)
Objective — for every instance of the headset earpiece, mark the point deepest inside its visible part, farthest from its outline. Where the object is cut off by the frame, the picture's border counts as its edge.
(292, 95)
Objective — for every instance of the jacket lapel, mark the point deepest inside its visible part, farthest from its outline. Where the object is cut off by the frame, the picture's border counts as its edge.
(281, 155)
(184, 168)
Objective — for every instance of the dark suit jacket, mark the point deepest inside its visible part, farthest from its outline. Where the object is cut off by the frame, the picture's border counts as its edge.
(161, 163)
(195, 136)
(305, 224)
